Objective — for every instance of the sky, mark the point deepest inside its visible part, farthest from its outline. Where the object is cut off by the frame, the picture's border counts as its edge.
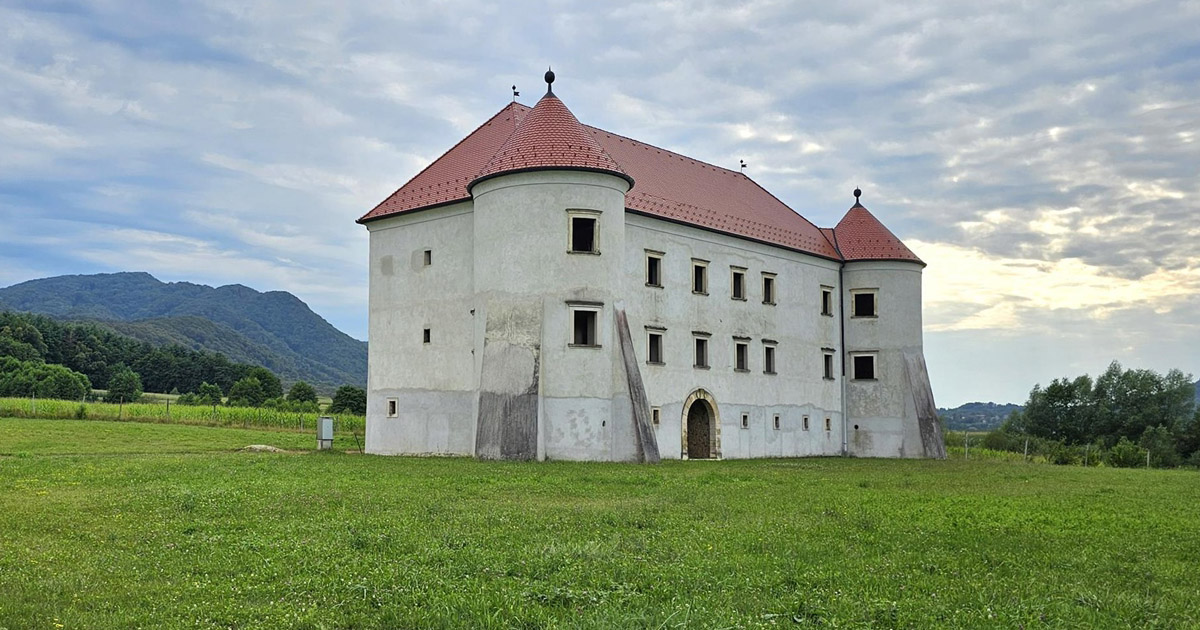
(1042, 158)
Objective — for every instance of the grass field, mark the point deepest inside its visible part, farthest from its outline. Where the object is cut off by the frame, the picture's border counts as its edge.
(119, 525)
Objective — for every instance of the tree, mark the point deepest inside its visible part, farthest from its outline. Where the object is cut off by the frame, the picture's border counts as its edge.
(124, 385)
(209, 394)
(271, 386)
(302, 392)
(248, 392)
(349, 399)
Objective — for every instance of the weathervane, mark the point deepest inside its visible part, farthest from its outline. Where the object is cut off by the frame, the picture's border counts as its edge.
(515, 93)
(741, 165)
(549, 81)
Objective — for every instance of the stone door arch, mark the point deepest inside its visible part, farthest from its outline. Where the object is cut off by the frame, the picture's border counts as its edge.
(700, 427)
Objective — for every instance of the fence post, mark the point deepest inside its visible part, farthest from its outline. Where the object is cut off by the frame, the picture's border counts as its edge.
(1026, 449)
(1086, 447)
(32, 404)
(1147, 457)
(966, 445)
(168, 410)
(213, 419)
(121, 409)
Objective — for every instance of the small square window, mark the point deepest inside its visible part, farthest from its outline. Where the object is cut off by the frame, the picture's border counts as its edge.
(741, 351)
(739, 284)
(863, 366)
(828, 424)
(804, 423)
(828, 359)
(745, 421)
(656, 415)
(776, 420)
(583, 327)
(701, 352)
(428, 257)
(654, 270)
(654, 349)
(864, 304)
(700, 277)
(768, 288)
(827, 301)
(426, 336)
(393, 407)
(583, 234)
(768, 359)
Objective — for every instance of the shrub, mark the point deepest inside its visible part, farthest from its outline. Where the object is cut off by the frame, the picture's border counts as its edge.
(1126, 454)
(302, 392)
(349, 399)
(124, 386)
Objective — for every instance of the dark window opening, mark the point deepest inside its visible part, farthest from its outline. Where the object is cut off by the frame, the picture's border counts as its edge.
(827, 301)
(654, 271)
(829, 366)
(701, 353)
(426, 336)
(805, 423)
(828, 424)
(864, 305)
(428, 257)
(768, 290)
(699, 279)
(864, 367)
(745, 421)
(583, 235)
(769, 359)
(656, 415)
(584, 328)
(776, 422)
(392, 406)
(743, 361)
(654, 354)
(739, 285)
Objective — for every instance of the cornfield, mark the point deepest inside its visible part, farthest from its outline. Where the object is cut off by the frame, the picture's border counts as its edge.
(167, 412)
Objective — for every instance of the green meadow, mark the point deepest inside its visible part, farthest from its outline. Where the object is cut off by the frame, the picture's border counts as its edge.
(126, 525)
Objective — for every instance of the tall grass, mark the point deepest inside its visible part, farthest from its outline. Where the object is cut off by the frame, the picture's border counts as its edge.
(171, 413)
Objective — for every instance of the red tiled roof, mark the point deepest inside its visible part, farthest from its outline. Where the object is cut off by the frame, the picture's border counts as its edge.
(668, 185)
(860, 236)
(550, 137)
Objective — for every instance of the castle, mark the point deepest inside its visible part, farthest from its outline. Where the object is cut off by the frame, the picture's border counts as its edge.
(549, 290)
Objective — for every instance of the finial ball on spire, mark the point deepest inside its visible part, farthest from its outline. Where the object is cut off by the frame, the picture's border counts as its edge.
(857, 194)
(549, 77)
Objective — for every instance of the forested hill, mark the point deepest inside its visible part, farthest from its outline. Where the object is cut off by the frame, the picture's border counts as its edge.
(273, 329)
(977, 416)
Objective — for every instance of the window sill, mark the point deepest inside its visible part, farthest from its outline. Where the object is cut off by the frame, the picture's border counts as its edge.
(738, 299)
(830, 378)
(771, 373)
(654, 286)
(655, 363)
(864, 380)
(864, 317)
(769, 303)
(826, 314)
(741, 369)
(571, 251)
(695, 292)
(583, 345)
(702, 367)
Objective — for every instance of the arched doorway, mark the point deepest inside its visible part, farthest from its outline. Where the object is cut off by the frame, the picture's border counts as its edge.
(701, 427)
(699, 431)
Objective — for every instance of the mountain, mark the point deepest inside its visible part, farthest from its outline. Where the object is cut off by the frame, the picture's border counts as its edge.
(274, 329)
(977, 416)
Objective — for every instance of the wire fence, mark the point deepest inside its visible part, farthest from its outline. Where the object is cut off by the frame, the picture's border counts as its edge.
(168, 412)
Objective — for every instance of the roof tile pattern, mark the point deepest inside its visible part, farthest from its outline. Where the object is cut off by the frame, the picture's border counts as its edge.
(668, 185)
(860, 236)
(550, 137)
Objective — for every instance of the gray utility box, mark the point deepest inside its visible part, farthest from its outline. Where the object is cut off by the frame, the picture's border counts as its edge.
(324, 433)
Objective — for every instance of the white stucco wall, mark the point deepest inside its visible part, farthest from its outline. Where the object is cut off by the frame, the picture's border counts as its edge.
(883, 409)
(794, 322)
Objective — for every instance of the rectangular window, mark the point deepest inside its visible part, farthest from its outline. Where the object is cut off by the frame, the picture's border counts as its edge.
(776, 422)
(656, 415)
(583, 327)
(828, 425)
(863, 303)
(828, 365)
(827, 301)
(428, 257)
(739, 283)
(745, 421)
(426, 336)
(700, 276)
(804, 423)
(768, 359)
(583, 237)
(654, 269)
(768, 288)
(741, 352)
(654, 348)
(701, 352)
(393, 407)
(863, 366)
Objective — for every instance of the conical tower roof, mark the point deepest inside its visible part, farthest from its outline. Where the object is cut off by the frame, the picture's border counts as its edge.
(860, 236)
(550, 138)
